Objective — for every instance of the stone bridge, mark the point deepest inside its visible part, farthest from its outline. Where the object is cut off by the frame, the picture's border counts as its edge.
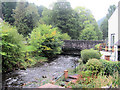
(78, 45)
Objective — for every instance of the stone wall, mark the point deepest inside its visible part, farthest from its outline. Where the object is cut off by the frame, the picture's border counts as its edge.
(80, 44)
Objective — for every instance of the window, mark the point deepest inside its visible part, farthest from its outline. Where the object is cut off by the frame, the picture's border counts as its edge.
(112, 39)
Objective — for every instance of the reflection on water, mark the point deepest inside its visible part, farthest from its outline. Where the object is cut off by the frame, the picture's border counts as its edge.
(47, 71)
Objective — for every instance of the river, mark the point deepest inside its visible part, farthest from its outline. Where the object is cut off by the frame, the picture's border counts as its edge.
(32, 77)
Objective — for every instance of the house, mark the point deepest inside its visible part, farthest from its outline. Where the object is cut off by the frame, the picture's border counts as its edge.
(114, 33)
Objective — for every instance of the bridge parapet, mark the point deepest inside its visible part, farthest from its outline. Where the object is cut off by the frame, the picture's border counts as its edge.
(80, 44)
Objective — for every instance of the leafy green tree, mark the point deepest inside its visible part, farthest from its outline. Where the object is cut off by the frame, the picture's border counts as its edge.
(104, 28)
(111, 11)
(40, 10)
(85, 18)
(12, 47)
(65, 36)
(104, 24)
(63, 18)
(7, 11)
(26, 17)
(46, 17)
(46, 40)
(88, 33)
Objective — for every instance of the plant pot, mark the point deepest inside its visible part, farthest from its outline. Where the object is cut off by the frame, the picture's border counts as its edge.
(106, 48)
(107, 57)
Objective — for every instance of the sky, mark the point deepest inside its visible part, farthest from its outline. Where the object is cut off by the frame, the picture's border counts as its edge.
(99, 8)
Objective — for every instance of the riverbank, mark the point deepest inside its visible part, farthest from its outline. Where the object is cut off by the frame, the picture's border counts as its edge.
(39, 74)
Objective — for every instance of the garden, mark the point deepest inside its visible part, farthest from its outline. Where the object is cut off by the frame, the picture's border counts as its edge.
(93, 72)
(32, 34)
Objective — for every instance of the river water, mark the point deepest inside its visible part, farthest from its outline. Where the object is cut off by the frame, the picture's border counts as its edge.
(34, 76)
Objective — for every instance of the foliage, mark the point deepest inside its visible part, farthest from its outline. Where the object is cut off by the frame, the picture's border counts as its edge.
(111, 10)
(32, 61)
(46, 17)
(104, 24)
(26, 17)
(12, 47)
(86, 73)
(46, 40)
(104, 28)
(94, 65)
(63, 17)
(65, 36)
(40, 10)
(88, 33)
(110, 66)
(85, 19)
(68, 20)
(7, 11)
(97, 46)
(89, 54)
(103, 81)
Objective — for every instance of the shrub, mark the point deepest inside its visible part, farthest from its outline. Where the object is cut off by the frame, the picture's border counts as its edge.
(12, 47)
(65, 36)
(89, 54)
(110, 66)
(102, 81)
(94, 65)
(97, 46)
(46, 40)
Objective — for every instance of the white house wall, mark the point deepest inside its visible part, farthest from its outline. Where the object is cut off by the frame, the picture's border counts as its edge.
(113, 29)
(119, 20)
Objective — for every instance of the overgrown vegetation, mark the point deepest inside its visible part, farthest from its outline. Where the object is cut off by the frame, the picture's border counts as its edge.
(89, 54)
(46, 41)
(73, 23)
(97, 46)
(95, 73)
(12, 47)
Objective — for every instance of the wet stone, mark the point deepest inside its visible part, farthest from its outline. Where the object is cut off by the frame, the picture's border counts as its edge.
(41, 71)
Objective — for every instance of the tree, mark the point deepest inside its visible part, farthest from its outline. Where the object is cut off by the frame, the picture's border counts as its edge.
(104, 24)
(111, 11)
(7, 11)
(62, 16)
(86, 18)
(46, 17)
(88, 33)
(46, 40)
(104, 28)
(40, 10)
(26, 17)
(12, 47)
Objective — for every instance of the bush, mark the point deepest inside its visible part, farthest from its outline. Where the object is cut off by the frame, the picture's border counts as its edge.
(97, 46)
(110, 66)
(46, 41)
(12, 47)
(65, 36)
(102, 81)
(94, 65)
(89, 54)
